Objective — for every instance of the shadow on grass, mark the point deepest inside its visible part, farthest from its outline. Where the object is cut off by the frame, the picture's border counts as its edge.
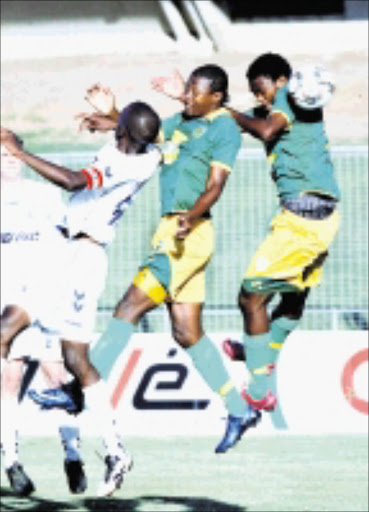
(12, 503)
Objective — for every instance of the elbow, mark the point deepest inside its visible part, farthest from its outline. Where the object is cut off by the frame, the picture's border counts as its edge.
(267, 135)
(69, 186)
(72, 183)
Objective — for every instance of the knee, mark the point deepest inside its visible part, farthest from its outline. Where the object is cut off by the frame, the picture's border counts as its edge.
(133, 305)
(249, 302)
(183, 336)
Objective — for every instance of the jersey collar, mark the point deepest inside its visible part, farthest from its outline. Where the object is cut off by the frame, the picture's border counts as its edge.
(217, 113)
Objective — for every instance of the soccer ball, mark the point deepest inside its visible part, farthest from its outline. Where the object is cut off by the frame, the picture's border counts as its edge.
(311, 87)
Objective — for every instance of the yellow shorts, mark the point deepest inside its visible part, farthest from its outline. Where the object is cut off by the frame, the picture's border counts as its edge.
(175, 269)
(291, 256)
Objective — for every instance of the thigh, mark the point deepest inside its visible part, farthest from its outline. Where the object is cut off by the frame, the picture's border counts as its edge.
(13, 320)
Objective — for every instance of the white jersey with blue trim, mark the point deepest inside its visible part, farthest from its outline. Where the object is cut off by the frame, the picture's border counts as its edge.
(113, 180)
(30, 211)
(30, 242)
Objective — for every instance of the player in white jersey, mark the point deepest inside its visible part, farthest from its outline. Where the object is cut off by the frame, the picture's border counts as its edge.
(100, 195)
(28, 239)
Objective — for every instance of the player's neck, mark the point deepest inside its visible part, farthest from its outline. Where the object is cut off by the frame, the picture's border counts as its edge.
(130, 147)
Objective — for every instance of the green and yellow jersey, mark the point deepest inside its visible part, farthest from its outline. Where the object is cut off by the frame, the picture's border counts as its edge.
(299, 157)
(192, 146)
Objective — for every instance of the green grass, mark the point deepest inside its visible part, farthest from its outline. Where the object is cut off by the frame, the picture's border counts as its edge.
(281, 473)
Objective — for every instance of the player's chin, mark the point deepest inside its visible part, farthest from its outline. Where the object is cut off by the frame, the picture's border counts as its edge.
(189, 111)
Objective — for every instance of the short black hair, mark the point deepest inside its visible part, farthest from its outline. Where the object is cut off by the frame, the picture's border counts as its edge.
(217, 76)
(139, 121)
(269, 64)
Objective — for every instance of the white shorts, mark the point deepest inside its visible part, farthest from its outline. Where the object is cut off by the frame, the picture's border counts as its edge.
(35, 343)
(84, 272)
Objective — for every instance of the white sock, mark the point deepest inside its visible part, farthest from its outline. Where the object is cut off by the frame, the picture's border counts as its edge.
(9, 432)
(97, 400)
(70, 438)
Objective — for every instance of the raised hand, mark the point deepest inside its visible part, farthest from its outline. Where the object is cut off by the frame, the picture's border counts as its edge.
(101, 99)
(96, 122)
(172, 86)
(11, 141)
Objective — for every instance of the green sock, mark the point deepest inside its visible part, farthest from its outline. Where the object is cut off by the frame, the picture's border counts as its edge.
(207, 360)
(259, 353)
(281, 328)
(109, 346)
(264, 349)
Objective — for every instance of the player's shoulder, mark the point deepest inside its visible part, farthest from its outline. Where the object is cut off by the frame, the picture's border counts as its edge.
(222, 119)
(223, 126)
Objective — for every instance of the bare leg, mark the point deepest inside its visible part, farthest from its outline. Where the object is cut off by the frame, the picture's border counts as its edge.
(13, 320)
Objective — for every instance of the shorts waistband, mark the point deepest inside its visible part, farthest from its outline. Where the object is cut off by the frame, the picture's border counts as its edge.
(311, 206)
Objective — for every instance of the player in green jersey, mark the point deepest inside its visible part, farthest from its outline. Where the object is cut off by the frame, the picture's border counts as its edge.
(289, 260)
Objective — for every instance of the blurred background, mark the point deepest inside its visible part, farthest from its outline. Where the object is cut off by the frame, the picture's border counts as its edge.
(52, 51)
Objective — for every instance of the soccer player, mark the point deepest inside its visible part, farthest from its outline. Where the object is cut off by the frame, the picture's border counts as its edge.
(34, 345)
(290, 259)
(101, 194)
(202, 145)
(28, 234)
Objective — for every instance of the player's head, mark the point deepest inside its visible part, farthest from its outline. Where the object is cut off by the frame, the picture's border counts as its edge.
(266, 74)
(206, 90)
(138, 123)
(10, 165)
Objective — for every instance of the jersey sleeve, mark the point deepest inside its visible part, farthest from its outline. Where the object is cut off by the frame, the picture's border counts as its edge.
(226, 143)
(281, 106)
(100, 171)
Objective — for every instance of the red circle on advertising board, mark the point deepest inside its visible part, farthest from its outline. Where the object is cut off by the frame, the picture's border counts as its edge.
(347, 381)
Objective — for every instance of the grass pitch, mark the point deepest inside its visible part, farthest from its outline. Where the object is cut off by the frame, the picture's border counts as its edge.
(280, 473)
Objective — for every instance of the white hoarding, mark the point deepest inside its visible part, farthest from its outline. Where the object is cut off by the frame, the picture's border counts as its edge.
(321, 379)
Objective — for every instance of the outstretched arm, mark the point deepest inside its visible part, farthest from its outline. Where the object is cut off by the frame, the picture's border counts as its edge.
(65, 178)
(265, 129)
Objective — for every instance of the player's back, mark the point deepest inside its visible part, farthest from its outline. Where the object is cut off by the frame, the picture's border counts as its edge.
(118, 178)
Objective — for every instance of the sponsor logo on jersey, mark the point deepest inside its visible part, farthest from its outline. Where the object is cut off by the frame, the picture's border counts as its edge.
(19, 236)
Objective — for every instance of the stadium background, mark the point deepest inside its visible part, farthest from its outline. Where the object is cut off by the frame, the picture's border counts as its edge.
(51, 52)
